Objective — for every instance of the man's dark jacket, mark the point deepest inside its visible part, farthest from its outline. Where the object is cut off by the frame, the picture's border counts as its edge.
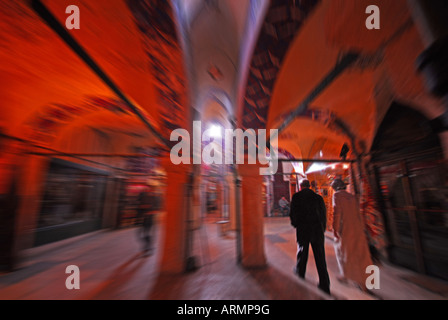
(308, 212)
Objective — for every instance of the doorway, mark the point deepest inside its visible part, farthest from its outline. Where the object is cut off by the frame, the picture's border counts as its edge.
(411, 177)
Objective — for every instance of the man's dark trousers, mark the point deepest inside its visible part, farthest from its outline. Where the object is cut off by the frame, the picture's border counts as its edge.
(306, 236)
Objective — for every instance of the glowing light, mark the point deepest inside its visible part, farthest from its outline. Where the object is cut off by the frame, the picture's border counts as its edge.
(316, 167)
(215, 131)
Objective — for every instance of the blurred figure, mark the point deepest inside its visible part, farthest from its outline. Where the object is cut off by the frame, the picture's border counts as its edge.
(145, 218)
(352, 251)
(284, 206)
(309, 216)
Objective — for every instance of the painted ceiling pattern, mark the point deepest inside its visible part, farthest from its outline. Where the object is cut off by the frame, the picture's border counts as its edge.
(325, 117)
(282, 22)
(44, 125)
(155, 20)
(145, 164)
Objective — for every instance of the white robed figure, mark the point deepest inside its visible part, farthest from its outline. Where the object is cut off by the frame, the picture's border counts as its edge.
(351, 248)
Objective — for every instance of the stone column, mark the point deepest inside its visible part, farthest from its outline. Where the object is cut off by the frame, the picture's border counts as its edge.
(197, 198)
(219, 199)
(232, 201)
(31, 178)
(252, 233)
(430, 19)
(175, 242)
(9, 201)
(110, 209)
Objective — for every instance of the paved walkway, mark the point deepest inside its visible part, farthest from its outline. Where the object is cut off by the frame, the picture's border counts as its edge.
(112, 267)
(396, 283)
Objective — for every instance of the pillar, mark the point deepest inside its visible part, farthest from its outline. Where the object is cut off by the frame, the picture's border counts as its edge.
(31, 178)
(175, 240)
(219, 199)
(251, 215)
(197, 209)
(430, 19)
(110, 209)
(232, 201)
(9, 174)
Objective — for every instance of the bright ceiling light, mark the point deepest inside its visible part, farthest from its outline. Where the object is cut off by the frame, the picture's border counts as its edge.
(316, 167)
(215, 131)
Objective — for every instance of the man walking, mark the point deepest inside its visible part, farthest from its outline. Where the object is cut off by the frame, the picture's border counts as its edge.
(350, 244)
(309, 216)
(145, 217)
(284, 206)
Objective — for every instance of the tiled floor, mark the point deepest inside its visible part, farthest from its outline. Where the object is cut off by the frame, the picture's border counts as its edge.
(394, 281)
(112, 267)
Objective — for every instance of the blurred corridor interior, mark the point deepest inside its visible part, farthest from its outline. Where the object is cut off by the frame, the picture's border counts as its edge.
(87, 116)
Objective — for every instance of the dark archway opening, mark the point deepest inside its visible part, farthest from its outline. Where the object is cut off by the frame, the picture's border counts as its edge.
(411, 176)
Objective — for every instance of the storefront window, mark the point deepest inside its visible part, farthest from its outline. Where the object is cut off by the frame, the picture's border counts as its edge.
(71, 195)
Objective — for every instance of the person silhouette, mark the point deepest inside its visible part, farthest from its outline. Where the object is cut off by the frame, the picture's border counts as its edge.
(350, 241)
(308, 215)
(145, 218)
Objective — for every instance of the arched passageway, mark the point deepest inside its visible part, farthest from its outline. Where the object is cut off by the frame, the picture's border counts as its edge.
(409, 169)
(89, 114)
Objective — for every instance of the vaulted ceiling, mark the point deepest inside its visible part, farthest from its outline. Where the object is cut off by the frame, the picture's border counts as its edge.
(361, 95)
(245, 62)
(47, 88)
(218, 36)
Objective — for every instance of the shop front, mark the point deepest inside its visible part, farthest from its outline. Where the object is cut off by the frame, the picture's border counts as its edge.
(411, 177)
(72, 202)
